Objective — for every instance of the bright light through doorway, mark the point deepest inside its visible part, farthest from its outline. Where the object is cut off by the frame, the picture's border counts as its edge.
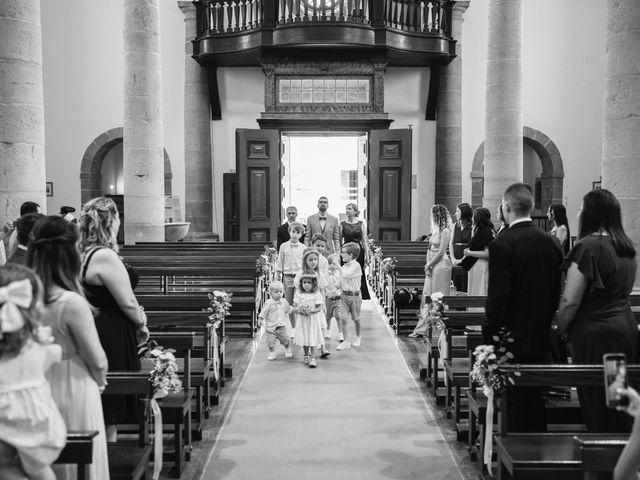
(329, 166)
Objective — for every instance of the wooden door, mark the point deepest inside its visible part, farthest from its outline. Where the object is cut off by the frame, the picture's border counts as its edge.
(230, 206)
(389, 185)
(258, 169)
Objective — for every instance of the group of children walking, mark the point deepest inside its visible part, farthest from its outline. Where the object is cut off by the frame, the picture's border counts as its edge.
(315, 290)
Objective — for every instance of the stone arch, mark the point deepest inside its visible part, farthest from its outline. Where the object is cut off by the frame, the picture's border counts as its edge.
(552, 168)
(91, 166)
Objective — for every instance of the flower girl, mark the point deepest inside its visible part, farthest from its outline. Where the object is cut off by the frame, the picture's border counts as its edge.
(307, 304)
(32, 431)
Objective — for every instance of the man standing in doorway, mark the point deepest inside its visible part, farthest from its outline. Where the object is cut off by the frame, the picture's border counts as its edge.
(523, 295)
(325, 224)
(283, 230)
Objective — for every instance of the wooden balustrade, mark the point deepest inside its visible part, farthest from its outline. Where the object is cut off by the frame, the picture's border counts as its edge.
(424, 16)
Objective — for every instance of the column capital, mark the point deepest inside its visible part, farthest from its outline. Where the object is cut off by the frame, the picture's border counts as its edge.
(460, 7)
(188, 7)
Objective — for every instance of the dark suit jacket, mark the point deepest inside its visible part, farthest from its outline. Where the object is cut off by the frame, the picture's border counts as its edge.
(524, 288)
(283, 235)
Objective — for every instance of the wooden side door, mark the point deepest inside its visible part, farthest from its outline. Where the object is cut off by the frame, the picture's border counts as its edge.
(258, 169)
(389, 184)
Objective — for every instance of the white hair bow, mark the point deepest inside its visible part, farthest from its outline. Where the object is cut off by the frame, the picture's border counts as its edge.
(16, 294)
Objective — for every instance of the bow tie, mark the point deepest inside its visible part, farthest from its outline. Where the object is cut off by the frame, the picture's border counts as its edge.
(16, 294)
(323, 218)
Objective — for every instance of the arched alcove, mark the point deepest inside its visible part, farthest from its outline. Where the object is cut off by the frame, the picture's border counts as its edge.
(90, 176)
(552, 169)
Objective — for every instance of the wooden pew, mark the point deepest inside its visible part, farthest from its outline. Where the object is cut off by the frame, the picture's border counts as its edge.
(599, 455)
(79, 451)
(520, 455)
(176, 411)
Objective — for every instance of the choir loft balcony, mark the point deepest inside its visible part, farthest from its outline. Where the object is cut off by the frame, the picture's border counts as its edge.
(401, 32)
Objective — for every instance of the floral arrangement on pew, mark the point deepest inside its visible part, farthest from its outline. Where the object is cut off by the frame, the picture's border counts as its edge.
(434, 311)
(219, 308)
(266, 261)
(487, 373)
(389, 265)
(165, 380)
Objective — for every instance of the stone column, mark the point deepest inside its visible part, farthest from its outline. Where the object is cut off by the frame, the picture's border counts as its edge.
(22, 176)
(448, 189)
(143, 131)
(197, 137)
(503, 115)
(621, 136)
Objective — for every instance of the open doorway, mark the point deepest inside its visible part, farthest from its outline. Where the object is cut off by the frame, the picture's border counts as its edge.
(324, 165)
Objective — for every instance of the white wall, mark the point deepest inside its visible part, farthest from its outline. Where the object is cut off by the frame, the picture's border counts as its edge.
(563, 85)
(241, 101)
(82, 43)
(405, 100)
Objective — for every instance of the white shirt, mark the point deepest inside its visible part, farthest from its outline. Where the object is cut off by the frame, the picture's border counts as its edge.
(351, 276)
(520, 220)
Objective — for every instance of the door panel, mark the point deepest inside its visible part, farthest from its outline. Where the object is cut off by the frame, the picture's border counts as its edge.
(258, 168)
(389, 185)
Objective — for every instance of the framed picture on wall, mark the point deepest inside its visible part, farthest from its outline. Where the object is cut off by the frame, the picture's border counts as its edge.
(597, 185)
(49, 189)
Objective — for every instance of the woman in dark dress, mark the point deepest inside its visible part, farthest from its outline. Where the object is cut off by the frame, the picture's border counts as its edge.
(108, 284)
(460, 238)
(354, 230)
(594, 310)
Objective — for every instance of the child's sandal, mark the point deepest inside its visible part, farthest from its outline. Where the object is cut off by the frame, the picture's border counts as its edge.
(306, 359)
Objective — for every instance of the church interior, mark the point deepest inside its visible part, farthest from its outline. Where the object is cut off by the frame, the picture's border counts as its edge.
(203, 121)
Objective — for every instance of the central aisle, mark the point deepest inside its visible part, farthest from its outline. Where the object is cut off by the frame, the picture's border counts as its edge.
(359, 415)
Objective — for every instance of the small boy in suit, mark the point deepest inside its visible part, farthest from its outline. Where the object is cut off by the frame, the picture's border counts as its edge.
(289, 263)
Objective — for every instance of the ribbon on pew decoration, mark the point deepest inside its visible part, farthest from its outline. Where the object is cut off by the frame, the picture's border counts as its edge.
(215, 356)
(487, 373)
(488, 432)
(164, 379)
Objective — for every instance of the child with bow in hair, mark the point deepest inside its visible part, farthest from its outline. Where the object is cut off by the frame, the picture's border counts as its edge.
(32, 431)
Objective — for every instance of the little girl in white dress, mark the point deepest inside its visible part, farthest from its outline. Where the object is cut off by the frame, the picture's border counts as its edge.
(307, 303)
(32, 431)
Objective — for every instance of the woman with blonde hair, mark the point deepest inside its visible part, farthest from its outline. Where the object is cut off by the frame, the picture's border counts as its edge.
(108, 284)
(438, 267)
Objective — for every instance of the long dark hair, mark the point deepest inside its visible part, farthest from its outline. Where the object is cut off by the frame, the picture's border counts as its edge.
(481, 218)
(560, 217)
(466, 214)
(54, 255)
(601, 211)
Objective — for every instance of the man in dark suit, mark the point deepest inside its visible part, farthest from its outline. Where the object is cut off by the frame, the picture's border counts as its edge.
(283, 230)
(523, 295)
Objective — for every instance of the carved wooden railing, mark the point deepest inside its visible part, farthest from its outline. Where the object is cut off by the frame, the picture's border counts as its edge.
(431, 17)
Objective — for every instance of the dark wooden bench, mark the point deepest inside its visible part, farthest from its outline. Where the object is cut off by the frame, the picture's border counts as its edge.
(540, 455)
(548, 456)
(79, 451)
(599, 455)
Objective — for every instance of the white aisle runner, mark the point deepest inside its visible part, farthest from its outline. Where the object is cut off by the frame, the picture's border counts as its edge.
(359, 415)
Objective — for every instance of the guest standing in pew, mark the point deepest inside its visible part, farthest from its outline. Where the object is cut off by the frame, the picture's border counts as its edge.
(24, 225)
(108, 284)
(523, 294)
(79, 379)
(283, 230)
(32, 431)
(595, 311)
(438, 267)
(557, 215)
(462, 232)
(476, 257)
(629, 461)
